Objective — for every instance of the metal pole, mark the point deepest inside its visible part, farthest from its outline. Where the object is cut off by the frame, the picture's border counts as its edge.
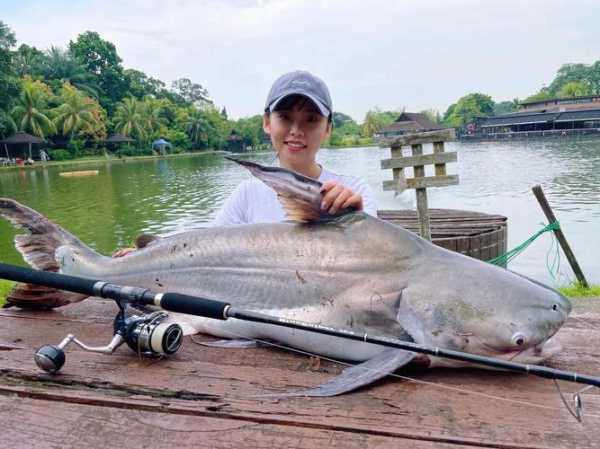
(560, 236)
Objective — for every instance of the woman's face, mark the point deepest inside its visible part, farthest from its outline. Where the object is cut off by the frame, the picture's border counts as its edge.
(297, 133)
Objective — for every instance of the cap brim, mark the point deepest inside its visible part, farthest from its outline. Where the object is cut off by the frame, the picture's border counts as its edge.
(324, 110)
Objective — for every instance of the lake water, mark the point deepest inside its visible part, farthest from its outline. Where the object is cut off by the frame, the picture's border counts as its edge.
(170, 195)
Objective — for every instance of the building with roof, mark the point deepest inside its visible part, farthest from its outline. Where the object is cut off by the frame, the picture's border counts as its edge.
(543, 118)
(538, 124)
(407, 122)
(561, 104)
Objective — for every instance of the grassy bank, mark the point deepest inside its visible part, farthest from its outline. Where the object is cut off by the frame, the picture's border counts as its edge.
(108, 158)
(576, 290)
(5, 287)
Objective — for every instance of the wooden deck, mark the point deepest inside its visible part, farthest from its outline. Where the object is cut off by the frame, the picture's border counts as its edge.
(202, 397)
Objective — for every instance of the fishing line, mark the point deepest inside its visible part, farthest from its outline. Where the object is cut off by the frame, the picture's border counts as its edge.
(398, 376)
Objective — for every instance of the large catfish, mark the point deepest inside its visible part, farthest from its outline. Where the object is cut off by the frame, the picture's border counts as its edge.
(351, 271)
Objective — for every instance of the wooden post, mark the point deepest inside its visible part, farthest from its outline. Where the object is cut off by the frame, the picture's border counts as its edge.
(539, 194)
(418, 160)
(422, 209)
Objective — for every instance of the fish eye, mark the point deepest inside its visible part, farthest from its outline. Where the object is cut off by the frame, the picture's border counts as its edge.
(554, 307)
(518, 339)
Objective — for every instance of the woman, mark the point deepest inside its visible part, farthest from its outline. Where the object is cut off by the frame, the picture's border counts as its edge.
(298, 118)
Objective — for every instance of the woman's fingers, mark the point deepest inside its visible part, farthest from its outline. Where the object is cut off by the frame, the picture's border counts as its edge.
(354, 201)
(337, 196)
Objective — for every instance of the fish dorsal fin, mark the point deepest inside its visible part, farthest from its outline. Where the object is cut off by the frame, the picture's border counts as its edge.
(300, 196)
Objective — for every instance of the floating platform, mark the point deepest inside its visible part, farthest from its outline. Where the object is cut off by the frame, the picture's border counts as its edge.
(205, 397)
(79, 173)
(479, 235)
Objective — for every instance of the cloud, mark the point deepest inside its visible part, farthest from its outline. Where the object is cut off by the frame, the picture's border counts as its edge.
(391, 54)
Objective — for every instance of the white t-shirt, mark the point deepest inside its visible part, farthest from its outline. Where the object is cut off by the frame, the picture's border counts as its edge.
(255, 202)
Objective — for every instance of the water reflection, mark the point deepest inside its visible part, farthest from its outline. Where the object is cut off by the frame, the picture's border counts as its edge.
(170, 195)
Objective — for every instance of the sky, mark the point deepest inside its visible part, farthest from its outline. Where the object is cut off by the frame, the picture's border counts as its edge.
(391, 54)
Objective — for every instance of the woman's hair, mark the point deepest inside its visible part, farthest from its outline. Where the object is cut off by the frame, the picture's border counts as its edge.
(292, 101)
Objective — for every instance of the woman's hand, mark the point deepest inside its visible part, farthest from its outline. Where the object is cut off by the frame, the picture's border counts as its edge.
(123, 252)
(336, 197)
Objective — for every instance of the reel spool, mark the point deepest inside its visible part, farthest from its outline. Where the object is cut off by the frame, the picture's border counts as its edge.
(147, 335)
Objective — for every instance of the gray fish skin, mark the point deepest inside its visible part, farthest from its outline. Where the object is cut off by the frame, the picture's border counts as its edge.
(357, 273)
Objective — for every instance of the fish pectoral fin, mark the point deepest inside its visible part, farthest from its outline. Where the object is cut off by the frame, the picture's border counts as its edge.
(299, 195)
(358, 376)
(238, 344)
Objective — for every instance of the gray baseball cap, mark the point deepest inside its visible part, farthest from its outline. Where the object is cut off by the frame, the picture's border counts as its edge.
(303, 83)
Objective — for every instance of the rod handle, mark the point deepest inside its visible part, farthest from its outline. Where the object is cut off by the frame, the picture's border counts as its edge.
(194, 305)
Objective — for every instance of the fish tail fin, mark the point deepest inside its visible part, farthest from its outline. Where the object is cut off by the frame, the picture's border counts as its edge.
(40, 248)
(299, 195)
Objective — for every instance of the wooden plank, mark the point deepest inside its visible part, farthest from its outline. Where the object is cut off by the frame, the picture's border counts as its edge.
(424, 159)
(424, 182)
(441, 135)
(30, 423)
(220, 383)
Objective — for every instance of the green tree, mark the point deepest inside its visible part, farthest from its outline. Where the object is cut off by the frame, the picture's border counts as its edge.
(574, 89)
(221, 128)
(141, 85)
(27, 60)
(101, 60)
(468, 108)
(339, 119)
(192, 92)
(565, 74)
(375, 119)
(8, 80)
(506, 107)
(198, 129)
(129, 119)
(30, 112)
(250, 130)
(541, 95)
(7, 124)
(75, 115)
(60, 66)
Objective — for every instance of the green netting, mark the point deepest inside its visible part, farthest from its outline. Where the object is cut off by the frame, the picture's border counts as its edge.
(503, 259)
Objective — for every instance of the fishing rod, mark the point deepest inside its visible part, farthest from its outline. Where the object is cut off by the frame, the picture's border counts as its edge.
(149, 336)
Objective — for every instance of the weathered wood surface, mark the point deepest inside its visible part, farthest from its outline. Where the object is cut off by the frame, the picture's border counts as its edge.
(202, 397)
(422, 182)
(423, 159)
(439, 135)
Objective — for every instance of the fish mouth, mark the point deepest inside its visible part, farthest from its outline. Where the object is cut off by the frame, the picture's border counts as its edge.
(531, 355)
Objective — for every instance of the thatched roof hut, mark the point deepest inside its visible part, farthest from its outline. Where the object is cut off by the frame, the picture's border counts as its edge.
(408, 122)
(21, 138)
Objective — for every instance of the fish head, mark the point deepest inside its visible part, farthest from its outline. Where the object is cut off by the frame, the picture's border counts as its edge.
(485, 310)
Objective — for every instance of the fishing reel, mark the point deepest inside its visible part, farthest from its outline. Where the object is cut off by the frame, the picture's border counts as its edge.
(148, 335)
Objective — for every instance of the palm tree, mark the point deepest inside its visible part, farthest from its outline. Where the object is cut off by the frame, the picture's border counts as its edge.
(28, 113)
(129, 118)
(58, 64)
(197, 128)
(150, 112)
(75, 114)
